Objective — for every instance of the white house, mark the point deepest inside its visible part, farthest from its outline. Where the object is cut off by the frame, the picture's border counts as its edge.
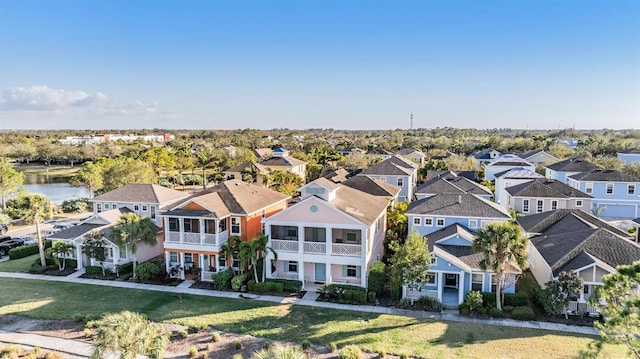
(505, 163)
(512, 177)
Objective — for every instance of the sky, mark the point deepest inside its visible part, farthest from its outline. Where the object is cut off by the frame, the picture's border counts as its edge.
(344, 64)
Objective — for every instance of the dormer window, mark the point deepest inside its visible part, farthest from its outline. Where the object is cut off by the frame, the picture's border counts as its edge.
(314, 190)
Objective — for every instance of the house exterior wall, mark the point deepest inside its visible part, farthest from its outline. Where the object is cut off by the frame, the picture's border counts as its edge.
(406, 190)
(542, 158)
(624, 202)
(629, 157)
(559, 175)
(424, 230)
(538, 266)
(151, 210)
(517, 203)
(501, 195)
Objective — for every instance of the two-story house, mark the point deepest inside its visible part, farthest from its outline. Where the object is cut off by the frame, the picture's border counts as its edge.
(575, 241)
(281, 161)
(505, 163)
(630, 155)
(436, 212)
(142, 198)
(198, 227)
(374, 187)
(542, 194)
(397, 171)
(562, 170)
(483, 157)
(512, 177)
(450, 182)
(615, 194)
(539, 157)
(414, 155)
(332, 235)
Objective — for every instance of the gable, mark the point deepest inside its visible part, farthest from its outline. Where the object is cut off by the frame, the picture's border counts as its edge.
(313, 210)
(456, 240)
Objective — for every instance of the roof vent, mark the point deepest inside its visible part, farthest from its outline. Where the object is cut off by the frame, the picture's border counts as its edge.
(459, 198)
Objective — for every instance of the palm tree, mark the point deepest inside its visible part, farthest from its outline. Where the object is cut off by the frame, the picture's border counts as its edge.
(128, 334)
(204, 160)
(61, 250)
(132, 228)
(38, 208)
(230, 248)
(503, 247)
(247, 253)
(264, 250)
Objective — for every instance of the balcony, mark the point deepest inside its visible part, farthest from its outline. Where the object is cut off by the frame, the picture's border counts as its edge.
(198, 239)
(284, 246)
(352, 250)
(315, 247)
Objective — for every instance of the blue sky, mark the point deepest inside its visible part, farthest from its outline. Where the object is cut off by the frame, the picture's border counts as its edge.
(310, 64)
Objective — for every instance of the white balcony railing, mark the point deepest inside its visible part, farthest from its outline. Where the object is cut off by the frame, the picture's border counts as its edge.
(210, 239)
(353, 250)
(174, 237)
(206, 239)
(315, 247)
(191, 238)
(284, 246)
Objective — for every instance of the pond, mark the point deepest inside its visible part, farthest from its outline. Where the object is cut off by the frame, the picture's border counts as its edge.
(56, 188)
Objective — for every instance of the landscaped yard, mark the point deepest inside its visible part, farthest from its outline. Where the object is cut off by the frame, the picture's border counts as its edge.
(18, 265)
(418, 337)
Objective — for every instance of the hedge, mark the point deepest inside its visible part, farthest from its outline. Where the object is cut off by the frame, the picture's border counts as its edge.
(377, 277)
(522, 313)
(264, 287)
(238, 280)
(93, 270)
(28, 250)
(519, 299)
(222, 280)
(333, 289)
(289, 285)
(123, 269)
(496, 313)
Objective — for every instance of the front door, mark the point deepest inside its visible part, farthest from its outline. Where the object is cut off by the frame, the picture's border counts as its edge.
(450, 280)
(320, 273)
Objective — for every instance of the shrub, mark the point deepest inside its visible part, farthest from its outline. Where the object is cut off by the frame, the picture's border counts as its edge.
(348, 295)
(496, 313)
(350, 352)
(396, 289)
(53, 355)
(382, 352)
(28, 250)
(489, 299)
(37, 351)
(474, 298)
(334, 347)
(193, 352)
(264, 287)
(222, 280)
(215, 337)
(306, 345)
(522, 313)
(238, 280)
(377, 277)
(518, 299)
(75, 205)
(464, 308)
(288, 285)
(10, 349)
(93, 270)
(237, 344)
(200, 327)
(123, 269)
(30, 356)
(371, 296)
(77, 317)
(88, 317)
(429, 304)
(360, 297)
(508, 308)
(182, 333)
(404, 356)
(481, 310)
(279, 351)
(147, 270)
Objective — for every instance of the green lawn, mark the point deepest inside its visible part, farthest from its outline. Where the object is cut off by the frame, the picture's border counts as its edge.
(18, 265)
(418, 337)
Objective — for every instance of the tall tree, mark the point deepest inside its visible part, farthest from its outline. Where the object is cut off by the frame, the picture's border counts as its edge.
(10, 181)
(89, 176)
(264, 250)
(560, 291)
(205, 159)
(95, 247)
(621, 295)
(230, 248)
(410, 262)
(126, 171)
(504, 248)
(128, 334)
(38, 208)
(130, 229)
(283, 182)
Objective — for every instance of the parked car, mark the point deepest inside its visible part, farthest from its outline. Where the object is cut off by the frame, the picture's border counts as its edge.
(60, 227)
(5, 238)
(6, 246)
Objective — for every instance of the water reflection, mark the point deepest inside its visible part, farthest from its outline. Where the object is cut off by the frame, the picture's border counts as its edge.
(56, 188)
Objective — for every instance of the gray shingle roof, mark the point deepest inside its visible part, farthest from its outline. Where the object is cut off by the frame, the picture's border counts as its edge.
(75, 231)
(541, 222)
(447, 232)
(281, 161)
(466, 254)
(371, 186)
(545, 188)
(464, 205)
(387, 168)
(604, 175)
(141, 193)
(519, 173)
(452, 183)
(572, 165)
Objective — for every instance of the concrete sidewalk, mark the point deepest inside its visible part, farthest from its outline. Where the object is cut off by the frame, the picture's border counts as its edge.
(308, 301)
(72, 349)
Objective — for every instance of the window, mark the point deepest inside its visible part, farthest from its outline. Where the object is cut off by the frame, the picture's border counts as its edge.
(174, 225)
(98, 207)
(440, 222)
(107, 206)
(430, 279)
(352, 271)
(579, 203)
(539, 206)
(191, 225)
(209, 226)
(292, 267)
(136, 208)
(173, 257)
(434, 260)
(588, 188)
(477, 280)
(416, 221)
(188, 257)
(631, 189)
(473, 223)
(123, 252)
(351, 236)
(144, 208)
(236, 263)
(493, 283)
(223, 225)
(609, 188)
(153, 212)
(313, 190)
(428, 222)
(235, 225)
(554, 204)
(222, 260)
(525, 206)
(400, 181)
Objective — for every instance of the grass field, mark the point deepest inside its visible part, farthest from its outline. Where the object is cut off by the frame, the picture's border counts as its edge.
(396, 334)
(18, 265)
(61, 171)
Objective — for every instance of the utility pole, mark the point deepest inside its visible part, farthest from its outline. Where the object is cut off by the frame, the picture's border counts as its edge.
(411, 121)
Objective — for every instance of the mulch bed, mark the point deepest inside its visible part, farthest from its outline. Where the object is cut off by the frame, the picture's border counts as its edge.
(209, 286)
(59, 273)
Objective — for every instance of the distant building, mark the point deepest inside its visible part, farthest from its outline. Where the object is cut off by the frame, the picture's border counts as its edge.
(630, 156)
(106, 138)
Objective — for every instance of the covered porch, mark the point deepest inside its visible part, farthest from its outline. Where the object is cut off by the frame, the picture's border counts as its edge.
(194, 265)
(446, 287)
(318, 273)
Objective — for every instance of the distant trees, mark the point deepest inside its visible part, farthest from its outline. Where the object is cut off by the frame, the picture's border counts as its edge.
(107, 174)
(10, 181)
(283, 182)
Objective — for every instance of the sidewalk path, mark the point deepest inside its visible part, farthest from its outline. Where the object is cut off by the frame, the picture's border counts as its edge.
(72, 349)
(306, 301)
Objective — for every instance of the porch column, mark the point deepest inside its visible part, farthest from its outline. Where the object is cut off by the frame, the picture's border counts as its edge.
(78, 256)
(200, 265)
(166, 261)
(217, 231)
(461, 288)
(181, 225)
(165, 222)
(440, 286)
(329, 268)
(201, 225)
(328, 240)
(181, 260)
(363, 275)
(582, 300)
(116, 256)
(301, 272)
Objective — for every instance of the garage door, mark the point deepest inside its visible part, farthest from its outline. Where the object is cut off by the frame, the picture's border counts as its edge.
(619, 211)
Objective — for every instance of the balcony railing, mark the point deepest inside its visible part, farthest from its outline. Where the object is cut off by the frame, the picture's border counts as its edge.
(354, 250)
(284, 246)
(315, 247)
(189, 238)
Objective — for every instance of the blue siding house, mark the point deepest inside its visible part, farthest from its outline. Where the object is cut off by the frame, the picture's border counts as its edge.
(630, 156)
(562, 170)
(398, 171)
(615, 194)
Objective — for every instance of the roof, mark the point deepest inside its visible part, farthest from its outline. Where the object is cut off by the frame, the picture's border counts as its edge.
(359, 205)
(335, 175)
(518, 173)
(528, 154)
(553, 221)
(233, 197)
(263, 152)
(510, 160)
(631, 151)
(408, 151)
(379, 151)
(75, 231)
(572, 165)
(452, 183)
(141, 193)
(281, 161)
(605, 175)
(449, 231)
(483, 154)
(392, 166)
(545, 188)
(460, 205)
(372, 186)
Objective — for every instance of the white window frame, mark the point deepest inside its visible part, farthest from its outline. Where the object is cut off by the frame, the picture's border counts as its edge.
(438, 222)
(173, 257)
(417, 221)
(473, 223)
(607, 187)
(428, 222)
(475, 282)
(631, 189)
(136, 207)
(231, 231)
(433, 276)
(400, 182)
(525, 206)
(588, 188)
(295, 264)
(539, 206)
(579, 203)
(98, 207)
(434, 260)
(554, 204)
(145, 208)
(354, 268)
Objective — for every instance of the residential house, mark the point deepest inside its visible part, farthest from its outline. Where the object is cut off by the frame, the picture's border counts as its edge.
(636, 224)
(539, 157)
(485, 156)
(280, 161)
(433, 213)
(397, 171)
(262, 153)
(630, 156)
(414, 155)
(249, 171)
(335, 175)
(198, 227)
(505, 163)
(351, 151)
(455, 268)
(562, 170)
(449, 182)
(512, 177)
(230, 150)
(615, 194)
(332, 235)
(374, 187)
(381, 153)
(575, 241)
(542, 194)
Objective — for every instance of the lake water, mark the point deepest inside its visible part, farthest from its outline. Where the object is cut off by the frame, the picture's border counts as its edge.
(57, 189)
